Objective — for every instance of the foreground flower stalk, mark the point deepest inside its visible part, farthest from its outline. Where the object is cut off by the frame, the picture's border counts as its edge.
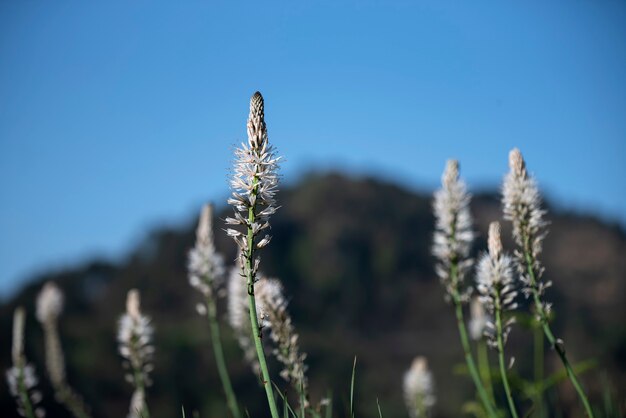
(21, 377)
(254, 184)
(452, 241)
(419, 389)
(206, 274)
(135, 345)
(522, 206)
(49, 307)
(497, 290)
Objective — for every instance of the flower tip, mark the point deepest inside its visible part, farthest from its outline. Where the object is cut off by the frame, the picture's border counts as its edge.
(451, 173)
(133, 303)
(494, 241)
(516, 162)
(419, 364)
(256, 103)
(19, 318)
(49, 302)
(203, 232)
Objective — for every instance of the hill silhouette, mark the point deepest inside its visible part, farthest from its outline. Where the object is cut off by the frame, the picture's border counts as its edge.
(354, 256)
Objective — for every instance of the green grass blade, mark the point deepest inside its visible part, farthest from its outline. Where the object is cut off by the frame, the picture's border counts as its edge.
(352, 389)
(380, 413)
(285, 402)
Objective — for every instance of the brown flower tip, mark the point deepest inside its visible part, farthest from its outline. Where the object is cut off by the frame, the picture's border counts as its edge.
(494, 243)
(516, 163)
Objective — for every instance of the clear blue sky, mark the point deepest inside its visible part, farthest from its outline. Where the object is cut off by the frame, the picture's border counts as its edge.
(120, 116)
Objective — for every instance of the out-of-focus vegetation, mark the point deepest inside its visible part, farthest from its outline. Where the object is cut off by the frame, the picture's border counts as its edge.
(354, 256)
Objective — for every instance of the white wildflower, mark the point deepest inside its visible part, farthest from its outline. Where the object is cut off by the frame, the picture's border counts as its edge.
(419, 390)
(49, 303)
(135, 334)
(21, 378)
(521, 203)
(453, 232)
(495, 284)
(273, 309)
(49, 308)
(254, 181)
(205, 264)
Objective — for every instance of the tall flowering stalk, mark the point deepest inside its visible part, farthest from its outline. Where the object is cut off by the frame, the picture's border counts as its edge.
(521, 203)
(135, 346)
(254, 185)
(206, 274)
(451, 246)
(274, 314)
(21, 377)
(419, 389)
(497, 293)
(49, 308)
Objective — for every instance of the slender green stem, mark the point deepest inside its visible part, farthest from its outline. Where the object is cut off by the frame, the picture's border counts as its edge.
(471, 366)
(422, 411)
(460, 321)
(483, 367)
(254, 321)
(216, 341)
(548, 332)
(503, 375)
(23, 392)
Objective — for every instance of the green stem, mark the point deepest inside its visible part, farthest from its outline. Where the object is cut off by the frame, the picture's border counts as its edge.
(471, 366)
(483, 367)
(254, 321)
(548, 332)
(219, 358)
(505, 379)
(420, 406)
(23, 393)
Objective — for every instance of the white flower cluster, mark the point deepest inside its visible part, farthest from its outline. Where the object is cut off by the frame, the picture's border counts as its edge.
(49, 308)
(521, 203)
(273, 311)
(134, 335)
(24, 376)
(419, 389)
(453, 231)
(49, 303)
(21, 378)
(205, 264)
(254, 183)
(495, 284)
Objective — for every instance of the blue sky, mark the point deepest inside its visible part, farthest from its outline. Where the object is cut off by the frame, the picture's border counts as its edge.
(119, 116)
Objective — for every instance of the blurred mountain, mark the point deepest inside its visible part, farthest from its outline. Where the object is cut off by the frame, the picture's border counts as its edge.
(354, 256)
